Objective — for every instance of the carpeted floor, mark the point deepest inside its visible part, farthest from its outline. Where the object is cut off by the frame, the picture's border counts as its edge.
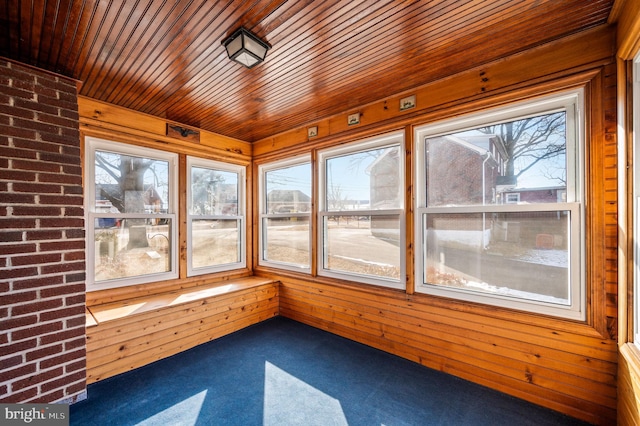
(281, 372)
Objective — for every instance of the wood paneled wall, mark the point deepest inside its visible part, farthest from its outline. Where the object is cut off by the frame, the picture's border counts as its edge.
(127, 335)
(564, 365)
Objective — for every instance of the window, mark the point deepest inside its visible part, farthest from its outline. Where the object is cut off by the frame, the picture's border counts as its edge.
(478, 242)
(361, 211)
(131, 203)
(512, 198)
(215, 216)
(285, 207)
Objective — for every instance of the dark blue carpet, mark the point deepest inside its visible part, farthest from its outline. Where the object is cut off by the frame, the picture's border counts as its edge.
(281, 372)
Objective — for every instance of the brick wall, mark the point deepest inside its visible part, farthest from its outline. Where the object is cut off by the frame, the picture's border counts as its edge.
(42, 267)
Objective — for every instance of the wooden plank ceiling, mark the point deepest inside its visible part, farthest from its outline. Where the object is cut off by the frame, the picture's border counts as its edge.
(166, 58)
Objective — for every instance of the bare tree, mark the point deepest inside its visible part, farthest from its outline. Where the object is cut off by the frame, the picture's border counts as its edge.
(128, 173)
(530, 141)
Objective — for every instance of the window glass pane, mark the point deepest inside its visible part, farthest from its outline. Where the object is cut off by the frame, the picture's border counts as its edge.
(288, 190)
(213, 192)
(365, 180)
(215, 242)
(516, 254)
(127, 248)
(286, 240)
(129, 184)
(363, 245)
(522, 161)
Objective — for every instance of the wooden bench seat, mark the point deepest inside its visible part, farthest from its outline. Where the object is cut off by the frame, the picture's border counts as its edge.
(125, 335)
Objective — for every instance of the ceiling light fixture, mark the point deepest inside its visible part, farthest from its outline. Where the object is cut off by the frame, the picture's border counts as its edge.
(246, 48)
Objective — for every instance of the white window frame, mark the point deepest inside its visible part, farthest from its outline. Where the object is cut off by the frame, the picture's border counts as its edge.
(376, 142)
(92, 145)
(515, 195)
(240, 216)
(572, 102)
(265, 215)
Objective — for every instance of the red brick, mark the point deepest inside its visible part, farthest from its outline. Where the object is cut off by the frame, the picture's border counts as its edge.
(74, 233)
(36, 259)
(10, 152)
(36, 331)
(17, 248)
(63, 381)
(18, 93)
(72, 114)
(6, 375)
(37, 188)
(62, 313)
(17, 297)
(17, 132)
(16, 72)
(60, 178)
(45, 90)
(74, 211)
(34, 105)
(74, 278)
(37, 166)
(19, 273)
(61, 290)
(15, 175)
(35, 125)
(60, 139)
(43, 235)
(75, 300)
(63, 335)
(76, 322)
(44, 352)
(62, 267)
(35, 379)
(78, 365)
(63, 359)
(14, 323)
(77, 387)
(17, 112)
(65, 200)
(35, 307)
(20, 397)
(56, 120)
(37, 282)
(17, 223)
(12, 198)
(74, 255)
(47, 398)
(36, 145)
(10, 236)
(62, 223)
(37, 211)
(51, 157)
(71, 150)
(13, 348)
(75, 344)
(72, 170)
(11, 361)
(46, 100)
(28, 84)
(62, 245)
(72, 190)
